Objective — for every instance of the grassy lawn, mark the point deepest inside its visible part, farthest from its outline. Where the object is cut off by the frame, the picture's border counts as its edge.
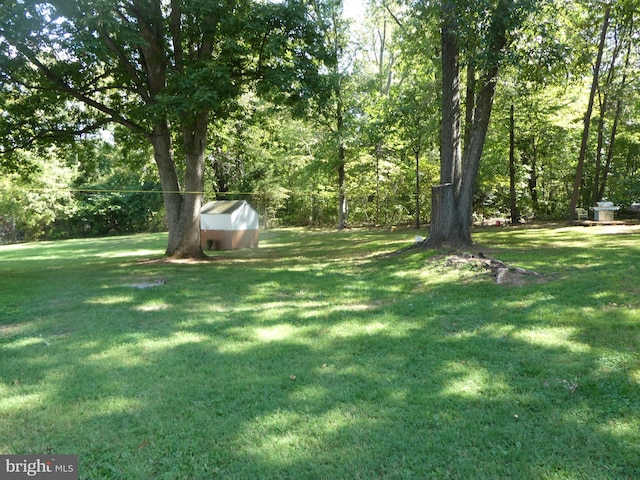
(317, 357)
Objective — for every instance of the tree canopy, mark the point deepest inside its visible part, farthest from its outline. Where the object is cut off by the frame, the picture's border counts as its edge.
(162, 70)
(296, 108)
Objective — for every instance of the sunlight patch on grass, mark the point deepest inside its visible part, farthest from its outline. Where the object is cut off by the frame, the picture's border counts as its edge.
(375, 327)
(276, 310)
(20, 401)
(24, 342)
(276, 333)
(498, 330)
(353, 307)
(153, 306)
(469, 381)
(110, 405)
(553, 337)
(128, 354)
(285, 438)
(122, 355)
(365, 328)
(278, 438)
(111, 300)
(316, 394)
(130, 253)
(620, 429)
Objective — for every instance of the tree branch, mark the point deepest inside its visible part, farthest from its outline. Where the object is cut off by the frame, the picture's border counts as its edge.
(54, 134)
(395, 19)
(64, 87)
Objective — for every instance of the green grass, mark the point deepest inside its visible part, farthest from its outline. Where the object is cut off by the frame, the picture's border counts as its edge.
(317, 357)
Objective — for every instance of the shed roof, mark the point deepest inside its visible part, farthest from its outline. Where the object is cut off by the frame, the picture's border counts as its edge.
(222, 207)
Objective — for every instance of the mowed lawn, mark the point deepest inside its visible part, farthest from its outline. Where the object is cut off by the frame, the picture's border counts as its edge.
(319, 356)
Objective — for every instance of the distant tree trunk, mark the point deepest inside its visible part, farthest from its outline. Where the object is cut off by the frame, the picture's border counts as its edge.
(610, 150)
(342, 193)
(614, 127)
(532, 181)
(515, 216)
(577, 183)
(378, 155)
(599, 147)
(416, 152)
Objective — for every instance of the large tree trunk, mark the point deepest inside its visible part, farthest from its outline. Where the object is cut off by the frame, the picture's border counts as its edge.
(460, 171)
(442, 214)
(444, 228)
(450, 148)
(473, 153)
(194, 134)
(182, 209)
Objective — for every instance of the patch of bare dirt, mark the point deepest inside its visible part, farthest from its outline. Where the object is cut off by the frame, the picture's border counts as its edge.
(503, 273)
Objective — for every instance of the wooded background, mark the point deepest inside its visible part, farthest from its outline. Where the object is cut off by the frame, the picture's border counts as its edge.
(355, 140)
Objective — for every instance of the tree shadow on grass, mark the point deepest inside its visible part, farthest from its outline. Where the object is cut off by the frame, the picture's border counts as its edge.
(333, 373)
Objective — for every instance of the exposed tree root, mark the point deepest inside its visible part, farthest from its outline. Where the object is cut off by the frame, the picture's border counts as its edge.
(503, 273)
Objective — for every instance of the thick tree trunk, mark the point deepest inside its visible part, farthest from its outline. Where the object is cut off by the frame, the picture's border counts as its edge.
(443, 229)
(163, 155)
(473, 154)
(195, 140)
(443, 214)
(450, 147)
(182, 209)
(460, 171)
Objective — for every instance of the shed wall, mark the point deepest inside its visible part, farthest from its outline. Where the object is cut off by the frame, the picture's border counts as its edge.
(229, 239)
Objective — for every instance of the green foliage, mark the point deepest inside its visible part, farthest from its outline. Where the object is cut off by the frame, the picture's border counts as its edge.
(31, 202)
(88, 190)
(375, 94)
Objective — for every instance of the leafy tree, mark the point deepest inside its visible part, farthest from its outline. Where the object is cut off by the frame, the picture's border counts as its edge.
(162, 69)
(488, 38)
(31, 201)
(612, 70)
(330, 106)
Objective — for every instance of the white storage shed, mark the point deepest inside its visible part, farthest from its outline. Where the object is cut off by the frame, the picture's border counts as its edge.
(228, 225)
